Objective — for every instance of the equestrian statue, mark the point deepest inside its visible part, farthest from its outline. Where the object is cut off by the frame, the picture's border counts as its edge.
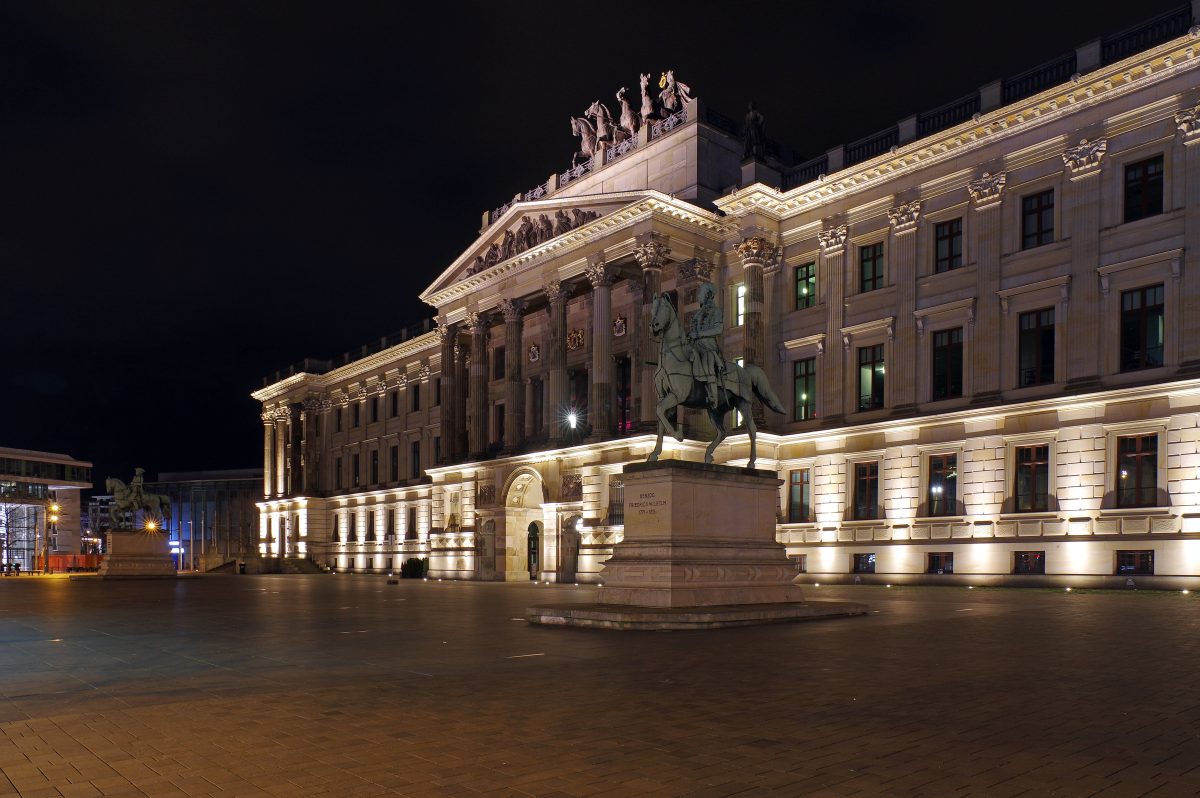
(693, 373)
(129, 500)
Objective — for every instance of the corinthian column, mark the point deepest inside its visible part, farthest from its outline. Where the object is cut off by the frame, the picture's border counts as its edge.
(756, 253)
(477, 325)
(986, 198)
(445, 333)
(268, 460)
(600, 409)
(281, 446)
(651, 252)
(514, 391)
(557, 354)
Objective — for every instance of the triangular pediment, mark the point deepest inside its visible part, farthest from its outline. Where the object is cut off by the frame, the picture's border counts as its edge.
(528, 230)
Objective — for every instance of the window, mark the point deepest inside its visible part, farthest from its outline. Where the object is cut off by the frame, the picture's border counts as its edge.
(356, 410)
(437, 449)
(866, 491)
(799, 496)
(371, 527)
(1031, 489)
(395, 404)
(1142, 328)
(1144, 189)
(947, 364)
(537, 411)
(337, 473)
(374, 409)
(870, 267)
(739, 304)
(337, 420)
(805, 382)
(1029, 562)
(498, 423)
(410, 531)
(870, 377)
(390, 531)
(1130, 563)
(414, 391)
(355, 474)
(394, 464)
(947, 245)
(352, 530)
(801, 563)
(1037, 219)
(863, 563)
(940, 562)
(374, 466)
(336, 535)
(1137, 471)
(806, 286)
(943, 485)
(437, 392)
(1035, 346)
(415, 459)
(498, 363)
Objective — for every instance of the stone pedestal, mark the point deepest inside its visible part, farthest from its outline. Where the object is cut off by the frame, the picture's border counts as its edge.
(137, 555)
(699, 551)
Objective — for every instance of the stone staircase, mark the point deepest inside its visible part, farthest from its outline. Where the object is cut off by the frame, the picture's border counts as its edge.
(299, 565)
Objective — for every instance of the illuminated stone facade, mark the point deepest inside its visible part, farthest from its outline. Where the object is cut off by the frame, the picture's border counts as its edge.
(988, 338)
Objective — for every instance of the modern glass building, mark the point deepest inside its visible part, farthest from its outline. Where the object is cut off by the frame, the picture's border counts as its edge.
(40, 505)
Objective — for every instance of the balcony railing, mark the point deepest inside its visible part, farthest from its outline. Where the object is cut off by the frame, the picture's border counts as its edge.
(576, 172)
(1164, 27)
(871, 146)
(806, 172)
(1041, 77)
(948, 115)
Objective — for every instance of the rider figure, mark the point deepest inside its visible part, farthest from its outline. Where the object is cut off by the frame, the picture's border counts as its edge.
(136, 496)
(707, 325)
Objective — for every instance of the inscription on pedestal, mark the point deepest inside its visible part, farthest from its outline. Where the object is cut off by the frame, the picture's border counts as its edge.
(647, 503)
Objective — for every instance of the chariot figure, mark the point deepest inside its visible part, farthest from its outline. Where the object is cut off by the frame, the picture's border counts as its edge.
(674, 95)
(708, 324)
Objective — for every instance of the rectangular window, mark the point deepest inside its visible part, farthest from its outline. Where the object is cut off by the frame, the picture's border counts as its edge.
(739, 304)
(1130, 563)
(437, 449)
(870, 377)
(1142, 328)
(374, 466)
(947, 245)
(1035, 356)
(866, 491)
(940, 562)
(391, 525)
(1144, 189)
(414, 461)
(1137, 471)
(352, 529)
(337, 420)
(410, 531)
(414, 391)
(948, 363)
(870, 267)
(1029, 562)
(943, 485)
(805, 385)
(498, 363)
(498, 423)
(337, 473)
(623, 406)
(356, 411)
(799, 497)
(537, 411)
(337, 534)
(394, 464)
(354, 472)
(863, 563)
(371, 527)
(1037, 219)
(801, 563)
(1031, 491)
(395, 404)
(806, 286)
(437, 392)
(374, 409)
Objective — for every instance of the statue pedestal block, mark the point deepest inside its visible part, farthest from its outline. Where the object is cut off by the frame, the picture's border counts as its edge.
(137, 555)
(699, 551)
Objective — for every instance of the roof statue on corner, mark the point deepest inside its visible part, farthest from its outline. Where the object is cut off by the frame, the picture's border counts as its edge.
(756, 135)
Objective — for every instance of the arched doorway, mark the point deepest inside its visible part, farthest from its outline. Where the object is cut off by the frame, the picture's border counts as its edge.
(523, 531)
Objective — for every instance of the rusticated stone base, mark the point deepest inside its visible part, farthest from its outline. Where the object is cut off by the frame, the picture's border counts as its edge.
(137, 555)
(658, 619)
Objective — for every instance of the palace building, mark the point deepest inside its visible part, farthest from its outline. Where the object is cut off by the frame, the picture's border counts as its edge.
(984, 323)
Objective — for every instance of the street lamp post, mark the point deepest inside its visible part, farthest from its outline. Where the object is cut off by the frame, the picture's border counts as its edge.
(51, 527)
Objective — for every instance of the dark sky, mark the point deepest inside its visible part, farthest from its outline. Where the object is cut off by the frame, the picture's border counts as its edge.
(198, 193)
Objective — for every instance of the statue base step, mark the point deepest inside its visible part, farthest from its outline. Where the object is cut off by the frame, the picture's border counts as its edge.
(658, 619)
(137, 555)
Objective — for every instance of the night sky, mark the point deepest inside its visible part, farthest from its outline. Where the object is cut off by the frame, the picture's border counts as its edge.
(196, 194)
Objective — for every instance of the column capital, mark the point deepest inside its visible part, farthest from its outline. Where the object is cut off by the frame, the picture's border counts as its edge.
(904, 217)
(597, 271)
(985, 191)
(833, 239)
(756, 251)
(512, 309)
(1187, 121)
(700, 267)
(651, 250)
(1083, 160)
(556, 292)
(444, 330)
(477, 321)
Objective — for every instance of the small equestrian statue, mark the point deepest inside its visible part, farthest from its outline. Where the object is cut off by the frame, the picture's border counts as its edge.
(129, 500)
(691, 372)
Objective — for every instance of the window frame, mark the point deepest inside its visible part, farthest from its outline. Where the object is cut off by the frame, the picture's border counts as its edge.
(1017, 559)
(1142, 327)
(951, 504)
(1048, 503)
(944, 558)
(1041, 235)
(1154, 426)
(807, 513)
(879, 259)
(949, 265)
(878, 372)
(804, 273)
(947, 351)
(1011, 444)
(1148, 554)
(854, 485)
(872, 558)
(810, 404)
(1038, 333)
(1125, 186)
(1139, 456)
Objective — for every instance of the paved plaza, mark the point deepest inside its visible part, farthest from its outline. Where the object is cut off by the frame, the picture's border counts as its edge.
(344, 685)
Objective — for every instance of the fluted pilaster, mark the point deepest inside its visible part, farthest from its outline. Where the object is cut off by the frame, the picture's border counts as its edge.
(477, 325)
(513, 311)
(556, 341)
(600, 404)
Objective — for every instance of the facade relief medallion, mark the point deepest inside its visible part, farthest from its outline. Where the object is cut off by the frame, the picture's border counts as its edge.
(619, 327)
(570, 488)
(535, 353)
(485, 496)
(575, 340)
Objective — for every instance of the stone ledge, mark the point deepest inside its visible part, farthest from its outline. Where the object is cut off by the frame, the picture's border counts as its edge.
(619, 616)
(699, 468)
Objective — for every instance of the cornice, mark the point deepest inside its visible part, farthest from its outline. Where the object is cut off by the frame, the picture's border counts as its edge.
(1140, 70)
(368, 366)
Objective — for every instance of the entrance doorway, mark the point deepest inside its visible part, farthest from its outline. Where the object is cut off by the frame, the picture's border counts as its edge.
(534, 548)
